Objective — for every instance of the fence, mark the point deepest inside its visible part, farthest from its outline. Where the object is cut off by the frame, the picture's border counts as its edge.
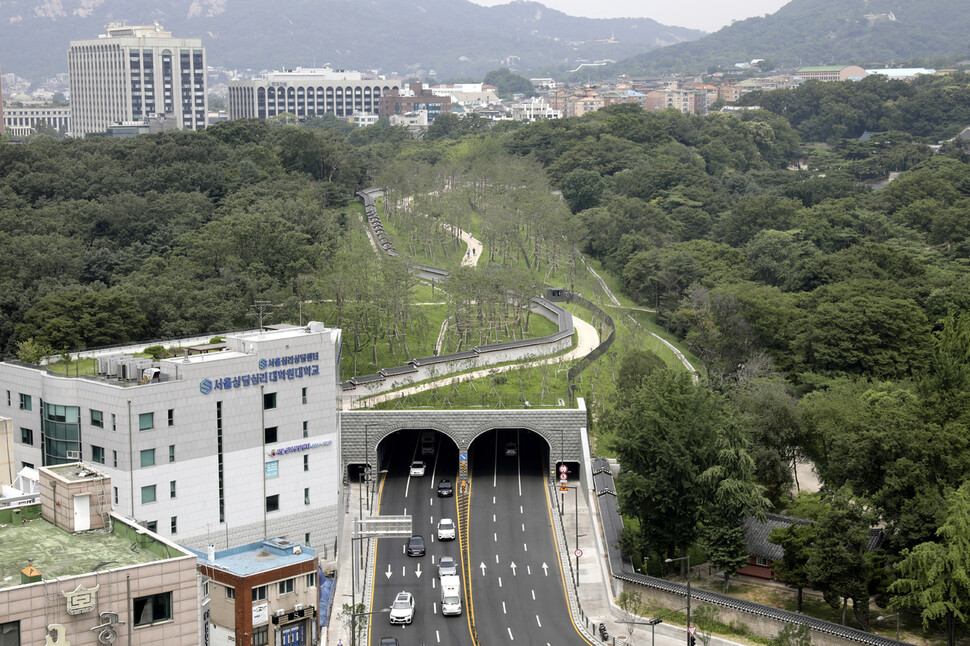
(605, 320)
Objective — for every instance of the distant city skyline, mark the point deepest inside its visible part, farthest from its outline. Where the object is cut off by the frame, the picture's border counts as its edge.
(709, 15)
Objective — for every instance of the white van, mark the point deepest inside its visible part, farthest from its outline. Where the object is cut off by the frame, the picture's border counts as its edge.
(450, 595)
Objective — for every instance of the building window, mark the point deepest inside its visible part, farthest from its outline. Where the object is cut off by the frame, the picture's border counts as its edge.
(304, 394)
(205, 589)
(171, 488)
(286, 587)
(261, 636)
(97, 454)
(259, 593)
(273, 503)
(175, 524)
(171, 417)
(147, 494)
(269, 401)
(114, 458)
(306, 538)
(306, 428)
(10, 631)
(311, 580)
(97, 418)
(153, 609)
(148, 458)
(27, 465)
(25, 402)
(146, 421)
(306, 496)
(171, 453)
(152, 525)
(306, 462)
(114, 422)
(230, 593)
(762, 561)
(116, 494)
(8, 398)
(26, 436)
(269, 435)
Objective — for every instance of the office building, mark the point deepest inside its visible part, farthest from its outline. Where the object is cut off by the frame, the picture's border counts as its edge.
(1, 102)
(229, 444)
(414, 99)
(130, 73)
(73, 572)
(20, 122)
(306, 93)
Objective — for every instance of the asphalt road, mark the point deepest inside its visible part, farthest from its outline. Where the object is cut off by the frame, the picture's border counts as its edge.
(517, 583)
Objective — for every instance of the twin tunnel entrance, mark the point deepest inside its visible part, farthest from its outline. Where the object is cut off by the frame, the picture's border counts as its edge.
(507, 448)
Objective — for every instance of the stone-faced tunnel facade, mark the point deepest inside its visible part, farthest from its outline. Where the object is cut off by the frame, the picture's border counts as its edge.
(362, 430)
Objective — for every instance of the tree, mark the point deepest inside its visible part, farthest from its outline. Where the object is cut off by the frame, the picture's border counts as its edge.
(796, 540)
(935, 576)
(792, 635)
(582, 189)
(31, 351)
(509, 83)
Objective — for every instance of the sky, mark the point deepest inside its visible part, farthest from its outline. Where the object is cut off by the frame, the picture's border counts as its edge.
(709, 15)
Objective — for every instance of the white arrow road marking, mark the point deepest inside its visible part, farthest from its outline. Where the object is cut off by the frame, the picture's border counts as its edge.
(417, 570)
(388, 573)
(538, 622)
(545, 569)
(513, 566)
(483, 568)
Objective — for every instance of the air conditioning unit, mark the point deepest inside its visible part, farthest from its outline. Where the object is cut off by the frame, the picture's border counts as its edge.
(280, 612)
(73, 455)
(298, 607)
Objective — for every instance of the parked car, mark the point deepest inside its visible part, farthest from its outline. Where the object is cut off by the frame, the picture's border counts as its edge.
(445, 490)
(417, 469)
(447, 566)
(402, 610)
(511, 449)
(446, 529)
(416, 546)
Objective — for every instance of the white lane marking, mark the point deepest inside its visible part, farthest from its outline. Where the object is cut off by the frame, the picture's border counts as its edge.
(528, 569)
(500, 582)
(407, 487)
(493, 500)
(495, 464)
(495, 537)
(404, 570)
(405, 511)
(433, 586)
(432, 559)
(496, 558)
(525, 546)
(510, 635)
(538, 622)
(437, 636)
(431, 519)
(523, 527)
(533, 595)
(493, 518)
(521, 511)
(435, 607)
(504, 611)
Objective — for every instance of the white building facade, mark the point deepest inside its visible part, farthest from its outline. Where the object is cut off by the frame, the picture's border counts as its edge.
(21, 122)
(227, 448)
(129, 73)
(308, 92)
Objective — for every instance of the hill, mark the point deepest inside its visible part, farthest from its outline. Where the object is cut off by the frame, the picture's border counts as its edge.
(815, 32)
(451, 37)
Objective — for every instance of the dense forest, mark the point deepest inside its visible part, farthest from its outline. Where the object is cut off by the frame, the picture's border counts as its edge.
(831, 319)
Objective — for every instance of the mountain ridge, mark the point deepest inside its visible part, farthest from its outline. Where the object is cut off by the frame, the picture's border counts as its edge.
(452, 37)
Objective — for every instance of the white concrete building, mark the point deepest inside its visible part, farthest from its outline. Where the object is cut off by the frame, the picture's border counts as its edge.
(21, 122)
(535, 109)
(227, 447)
(308, 92)
(129, 73)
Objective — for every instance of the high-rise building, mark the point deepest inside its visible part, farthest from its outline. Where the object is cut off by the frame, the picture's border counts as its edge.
(130, 73)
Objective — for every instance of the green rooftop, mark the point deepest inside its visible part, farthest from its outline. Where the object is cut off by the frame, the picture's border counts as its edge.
(24, 534)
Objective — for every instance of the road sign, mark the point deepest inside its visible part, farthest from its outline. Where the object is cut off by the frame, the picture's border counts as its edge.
(463, 457)
(563, 487)
(563, 477)
(693, 631)
(578, 552)
(563, 468)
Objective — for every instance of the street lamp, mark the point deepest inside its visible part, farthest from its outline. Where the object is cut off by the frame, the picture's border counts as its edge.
(687, 558)
(353, 622)
(896, 615)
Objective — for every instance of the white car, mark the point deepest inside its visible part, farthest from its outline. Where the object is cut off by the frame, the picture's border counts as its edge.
(446, 529)
(402, 610)
(417, 469)
(447, 566)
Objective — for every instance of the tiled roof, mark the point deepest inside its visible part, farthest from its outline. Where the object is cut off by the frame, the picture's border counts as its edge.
(756, 535)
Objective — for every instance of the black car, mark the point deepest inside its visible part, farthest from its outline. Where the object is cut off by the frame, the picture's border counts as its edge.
(416, 546)
(445, 490)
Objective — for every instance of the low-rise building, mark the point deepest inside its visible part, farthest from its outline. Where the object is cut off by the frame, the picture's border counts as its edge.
(414, 99)
(72, 571)
(829, 73)
(536, 109)
(20, 122)
(262, 593)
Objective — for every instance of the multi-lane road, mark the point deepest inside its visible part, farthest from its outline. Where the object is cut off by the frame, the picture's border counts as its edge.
(517, 586)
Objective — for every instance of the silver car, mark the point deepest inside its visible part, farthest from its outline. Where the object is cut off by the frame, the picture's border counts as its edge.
(447, 566)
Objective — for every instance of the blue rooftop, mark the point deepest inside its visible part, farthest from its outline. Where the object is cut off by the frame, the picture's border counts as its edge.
(254, 558)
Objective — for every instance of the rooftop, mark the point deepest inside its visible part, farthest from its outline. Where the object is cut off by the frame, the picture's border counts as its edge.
(58, 553)
(262, 556)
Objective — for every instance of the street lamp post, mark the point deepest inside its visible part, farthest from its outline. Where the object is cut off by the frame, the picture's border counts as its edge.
(353, 622)
(687, 558)
(896, 615)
